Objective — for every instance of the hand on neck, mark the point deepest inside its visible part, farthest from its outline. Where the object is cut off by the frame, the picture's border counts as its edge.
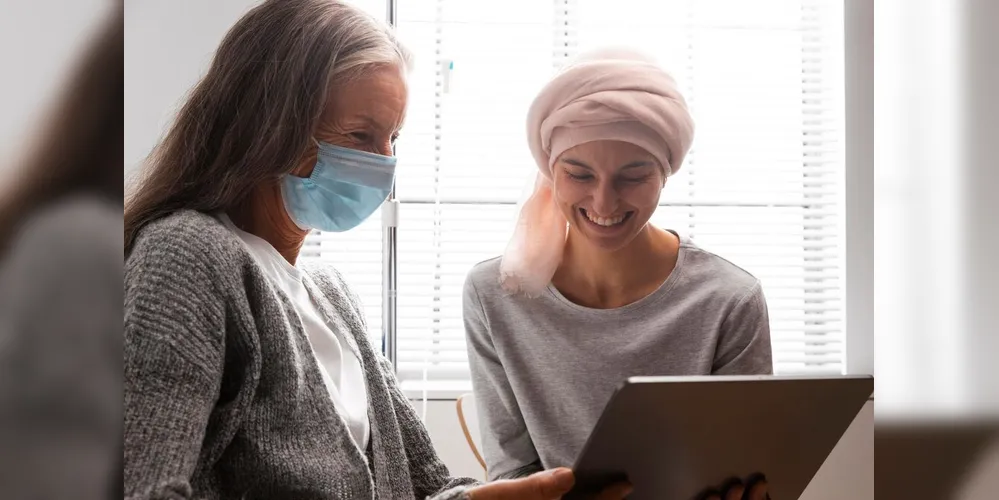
(263, 215)
(602, 279)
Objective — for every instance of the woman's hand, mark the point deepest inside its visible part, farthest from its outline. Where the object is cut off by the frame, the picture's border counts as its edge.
(546, 485)
(753, 488)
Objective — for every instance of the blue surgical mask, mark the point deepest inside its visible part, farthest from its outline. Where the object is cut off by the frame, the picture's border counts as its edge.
(345, 188)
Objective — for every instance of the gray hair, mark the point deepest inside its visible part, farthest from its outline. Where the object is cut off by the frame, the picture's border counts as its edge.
(252, 116)
(372, 43)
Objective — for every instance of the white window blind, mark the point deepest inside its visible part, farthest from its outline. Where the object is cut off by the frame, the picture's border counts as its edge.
(762, 186)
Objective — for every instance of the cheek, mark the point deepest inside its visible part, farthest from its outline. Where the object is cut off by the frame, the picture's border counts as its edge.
(645, 196)
(568, 193)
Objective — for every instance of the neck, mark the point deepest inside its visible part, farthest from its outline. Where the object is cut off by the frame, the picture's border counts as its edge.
(263, 215)
(595, 277)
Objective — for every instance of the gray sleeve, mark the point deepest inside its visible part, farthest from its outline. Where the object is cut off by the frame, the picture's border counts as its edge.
(174, 347)
(506, 443)
(744, 341)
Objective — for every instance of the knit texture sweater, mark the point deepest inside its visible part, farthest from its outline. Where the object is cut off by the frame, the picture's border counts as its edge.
(224, 397)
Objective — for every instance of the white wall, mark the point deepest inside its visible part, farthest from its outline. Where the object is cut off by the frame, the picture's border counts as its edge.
(847, 473)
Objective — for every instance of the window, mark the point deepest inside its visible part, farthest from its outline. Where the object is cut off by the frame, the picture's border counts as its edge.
(762, 186)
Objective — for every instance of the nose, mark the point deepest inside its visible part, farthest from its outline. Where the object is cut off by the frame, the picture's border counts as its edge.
(605, 199)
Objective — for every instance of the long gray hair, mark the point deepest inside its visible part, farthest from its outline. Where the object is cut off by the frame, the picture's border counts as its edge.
(252, 116)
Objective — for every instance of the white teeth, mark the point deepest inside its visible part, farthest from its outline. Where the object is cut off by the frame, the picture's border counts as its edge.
(604, 221)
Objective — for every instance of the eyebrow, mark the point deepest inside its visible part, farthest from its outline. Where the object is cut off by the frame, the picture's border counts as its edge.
(575, 163)
(635, 164)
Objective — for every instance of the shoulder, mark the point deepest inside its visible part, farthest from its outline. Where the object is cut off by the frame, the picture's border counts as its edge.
(187, 231)
(485, 274)
(181, 276)
(484, 295)
(186, 236)
(484, 279)
(717, 274)
(187, 250)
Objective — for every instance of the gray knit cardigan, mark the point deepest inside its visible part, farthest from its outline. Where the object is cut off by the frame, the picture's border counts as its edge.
(223, 397)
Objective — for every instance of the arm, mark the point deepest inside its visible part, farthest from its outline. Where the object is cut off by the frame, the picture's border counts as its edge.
(174, 330)
(507, 446)
(744, 342)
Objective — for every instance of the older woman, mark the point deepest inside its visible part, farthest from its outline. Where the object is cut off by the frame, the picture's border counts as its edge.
(248, 375)
(599, 293)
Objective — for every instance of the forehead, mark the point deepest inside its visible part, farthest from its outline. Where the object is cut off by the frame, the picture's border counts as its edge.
(606, 153)
(378, 96)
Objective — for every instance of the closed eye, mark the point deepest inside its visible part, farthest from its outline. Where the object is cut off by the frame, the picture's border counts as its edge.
(636, 180)
(363, 137)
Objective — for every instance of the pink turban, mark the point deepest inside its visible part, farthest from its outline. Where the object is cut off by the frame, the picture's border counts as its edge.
(614, 95)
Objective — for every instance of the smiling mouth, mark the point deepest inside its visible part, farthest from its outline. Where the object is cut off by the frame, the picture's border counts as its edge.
(606, 221)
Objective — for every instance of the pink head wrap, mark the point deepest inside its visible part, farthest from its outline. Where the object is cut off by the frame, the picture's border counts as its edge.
(616, 95)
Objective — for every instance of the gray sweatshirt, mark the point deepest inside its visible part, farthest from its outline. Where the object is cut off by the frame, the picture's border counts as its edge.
(224, 398)
(543, 368)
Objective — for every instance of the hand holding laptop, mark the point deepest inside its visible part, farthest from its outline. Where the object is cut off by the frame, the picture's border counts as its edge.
(546, 485)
